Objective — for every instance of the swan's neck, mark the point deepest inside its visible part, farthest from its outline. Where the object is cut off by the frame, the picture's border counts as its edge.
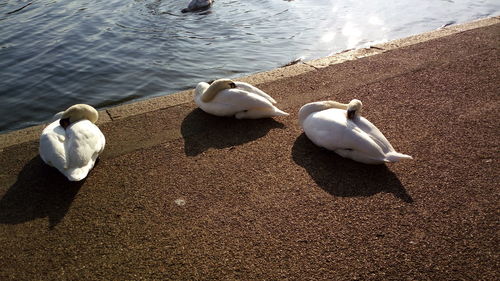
(79, 112)
(310, 108)
(201, 88)
(208, 92)
(353, 114)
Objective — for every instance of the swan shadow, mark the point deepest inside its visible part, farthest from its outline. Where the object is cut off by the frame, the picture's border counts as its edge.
(202, 131)
(40, 191)
(344, 177)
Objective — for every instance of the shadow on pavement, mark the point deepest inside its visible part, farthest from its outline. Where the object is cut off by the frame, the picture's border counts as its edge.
(344, 177)
(40, 191)
(202, 131)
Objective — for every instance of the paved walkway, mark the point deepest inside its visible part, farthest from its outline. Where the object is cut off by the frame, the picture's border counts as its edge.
(182, 195)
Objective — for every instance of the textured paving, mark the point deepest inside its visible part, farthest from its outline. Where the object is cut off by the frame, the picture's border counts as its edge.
(181, 195)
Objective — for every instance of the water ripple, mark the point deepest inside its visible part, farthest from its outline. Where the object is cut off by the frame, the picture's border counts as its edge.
(57, 53)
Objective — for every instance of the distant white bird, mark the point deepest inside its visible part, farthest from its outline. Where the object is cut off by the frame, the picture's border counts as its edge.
(72, 143)
(198, 5)
(225, 97)
(340, 128)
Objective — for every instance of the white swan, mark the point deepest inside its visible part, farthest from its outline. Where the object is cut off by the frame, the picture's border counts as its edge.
(340, 128)
(225, 97)
(197, 5)
(72, 143)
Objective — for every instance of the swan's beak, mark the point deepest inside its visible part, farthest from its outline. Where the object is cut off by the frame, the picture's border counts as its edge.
(64, 122)
(351, 114)
(232, 85)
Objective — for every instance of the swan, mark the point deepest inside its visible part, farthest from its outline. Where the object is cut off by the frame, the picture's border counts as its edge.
(225, 97)
(340, 128)
(198, 5)
(72, 142)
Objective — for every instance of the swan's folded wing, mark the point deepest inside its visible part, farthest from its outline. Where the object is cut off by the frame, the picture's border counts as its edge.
(375, 134)
(357, 139)
(252, 89)
(240, 100)
(85, 142)
(52, 146)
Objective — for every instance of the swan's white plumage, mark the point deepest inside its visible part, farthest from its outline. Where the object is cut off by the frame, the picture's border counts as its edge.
(356, 138)
(254, 90)
(243, 101)
(74, 150)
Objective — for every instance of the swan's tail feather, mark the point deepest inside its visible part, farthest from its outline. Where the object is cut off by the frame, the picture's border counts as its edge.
(77, 174)
(279, 112)
(396, 156)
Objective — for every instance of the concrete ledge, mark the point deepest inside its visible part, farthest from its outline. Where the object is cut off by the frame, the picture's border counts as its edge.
(158, 103)
(20, 136)
(153, 104)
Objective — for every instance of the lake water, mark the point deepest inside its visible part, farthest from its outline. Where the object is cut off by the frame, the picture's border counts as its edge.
(55, 53)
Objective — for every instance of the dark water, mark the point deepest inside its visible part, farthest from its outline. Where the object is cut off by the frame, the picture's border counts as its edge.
(55, 53)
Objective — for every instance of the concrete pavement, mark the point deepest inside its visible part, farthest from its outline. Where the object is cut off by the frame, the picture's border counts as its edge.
(182, 195)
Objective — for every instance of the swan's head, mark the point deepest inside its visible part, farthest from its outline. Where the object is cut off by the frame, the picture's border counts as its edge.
(78, 112)
(222, 84)
(209, 93)
(354, 109)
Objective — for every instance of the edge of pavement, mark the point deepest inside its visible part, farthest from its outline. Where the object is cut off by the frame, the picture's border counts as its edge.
(185, 97)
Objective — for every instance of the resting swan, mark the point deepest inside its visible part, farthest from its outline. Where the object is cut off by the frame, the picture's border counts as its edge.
(198, 5)
(72, 143)
(340, 128)
(225, 97)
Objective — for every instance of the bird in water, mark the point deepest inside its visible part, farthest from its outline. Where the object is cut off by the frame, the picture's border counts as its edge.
(198, 5)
